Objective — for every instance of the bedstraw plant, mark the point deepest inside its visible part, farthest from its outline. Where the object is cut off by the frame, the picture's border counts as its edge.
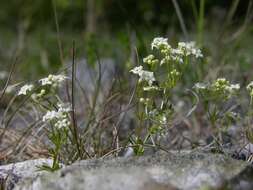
(54, 112)
(158, 75)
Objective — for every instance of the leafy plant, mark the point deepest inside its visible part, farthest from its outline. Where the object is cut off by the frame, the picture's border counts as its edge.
(56, 113)
(165, 68)
(215, 97)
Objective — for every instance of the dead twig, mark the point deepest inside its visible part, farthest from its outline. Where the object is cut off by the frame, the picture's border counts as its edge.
(8, 79)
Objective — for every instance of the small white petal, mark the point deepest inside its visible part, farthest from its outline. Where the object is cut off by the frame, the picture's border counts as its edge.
(25, 89)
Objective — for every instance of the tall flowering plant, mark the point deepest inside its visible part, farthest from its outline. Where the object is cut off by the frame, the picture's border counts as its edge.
(215, 97)
(159, 73)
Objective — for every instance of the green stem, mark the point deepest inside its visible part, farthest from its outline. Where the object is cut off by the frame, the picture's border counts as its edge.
(201, 22)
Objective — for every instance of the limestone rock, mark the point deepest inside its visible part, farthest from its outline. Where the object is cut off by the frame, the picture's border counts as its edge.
(160, 171)
(12, 173)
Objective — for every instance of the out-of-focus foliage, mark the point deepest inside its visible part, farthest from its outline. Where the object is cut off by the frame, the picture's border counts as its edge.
(112, 13)
(40, 34)
(29, 26)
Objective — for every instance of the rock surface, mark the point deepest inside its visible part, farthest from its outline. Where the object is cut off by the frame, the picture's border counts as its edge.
(157, 172)
(12, 173)
(87, 76)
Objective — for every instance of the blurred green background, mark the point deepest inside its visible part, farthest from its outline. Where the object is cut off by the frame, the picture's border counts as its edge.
(40, 33)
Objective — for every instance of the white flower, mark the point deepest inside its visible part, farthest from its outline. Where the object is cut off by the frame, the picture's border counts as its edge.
(163, 120)
(189, 48)
(177, 52)
(59, 117)
(200, 86)
(250, 86)
(50, 115)
(220, 86)
(159, 43)
(234, 87)
(177, 55)
(137, 70)
(53, 80)
(65, 108)
(25, 89)
(45, 81)
(197, 53)
(166, 59)
(147, 76)
(178, 59)
(144, 75)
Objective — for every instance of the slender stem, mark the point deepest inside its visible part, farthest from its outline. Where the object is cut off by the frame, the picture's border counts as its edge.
(95, 97)
(201, 22)
(60, 46)
(180, 18)
(58, 32)
(194, 10)
(8, 79)
(73, 101)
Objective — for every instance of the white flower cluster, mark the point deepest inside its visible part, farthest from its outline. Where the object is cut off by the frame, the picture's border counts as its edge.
(250, 86)
(183, 49)
(169, 56)
(189, 48)
(53, 80)
(60, 117)
(25, 89)
(159, 43)
(233, 88)
(200, 86)
(144, 75)
(220, 86)
(51, 115)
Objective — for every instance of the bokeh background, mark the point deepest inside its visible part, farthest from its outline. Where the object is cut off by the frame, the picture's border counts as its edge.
(40, 33)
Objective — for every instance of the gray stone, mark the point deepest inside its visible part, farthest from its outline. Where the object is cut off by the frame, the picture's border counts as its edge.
(160, 171)
(12, 173)
(87, 76)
